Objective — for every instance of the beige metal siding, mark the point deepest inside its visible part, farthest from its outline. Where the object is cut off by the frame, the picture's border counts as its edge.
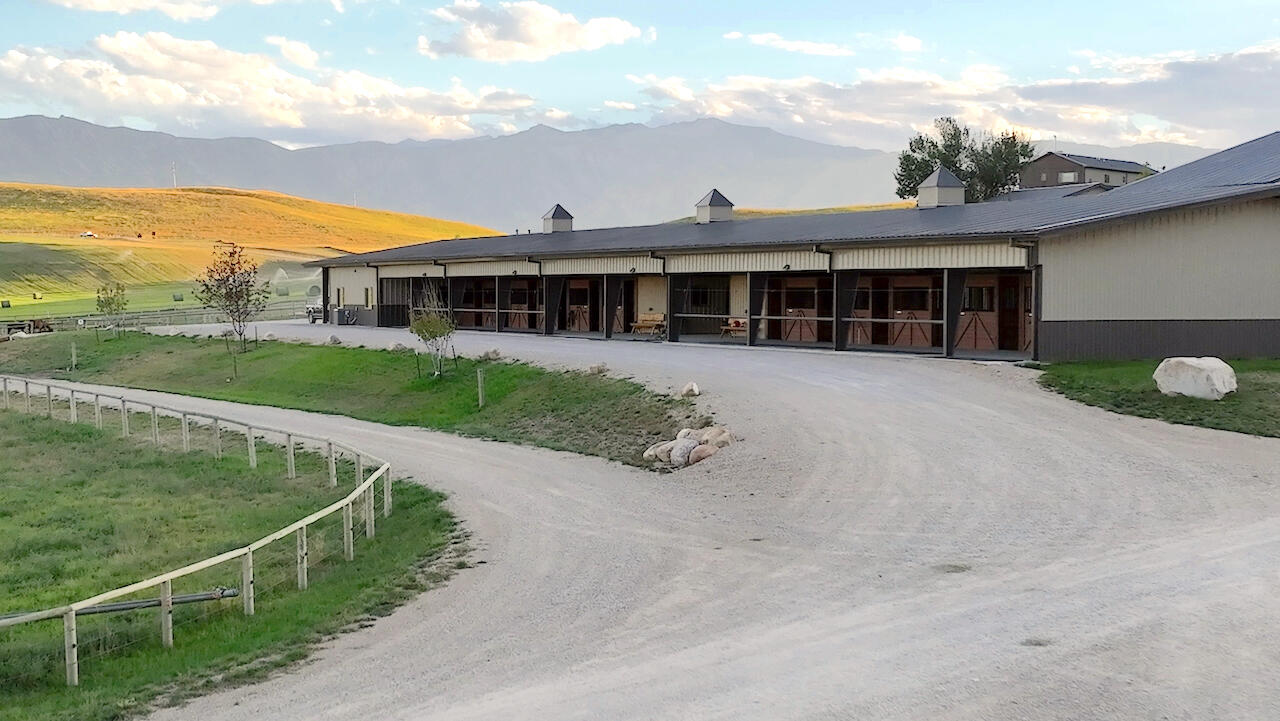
(651, 294)
(595, 266)
(738, 302)
(492, 267)
(759, 261)
(904, 257)
(411, 271)
(1209, 263)
(353, 282)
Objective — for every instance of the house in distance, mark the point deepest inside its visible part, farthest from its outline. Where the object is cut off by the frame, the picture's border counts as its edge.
(1055, 168)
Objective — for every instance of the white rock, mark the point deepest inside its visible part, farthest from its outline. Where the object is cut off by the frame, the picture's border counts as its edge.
(598, 369)
(397, 347)
(269, 336)
(1207, 377)
(333, 340)
(19, 335)
(663, 452)
(651, 453)
(680, 451)
(690, 389)
(685, 433)
(720, 440)
(702, 453)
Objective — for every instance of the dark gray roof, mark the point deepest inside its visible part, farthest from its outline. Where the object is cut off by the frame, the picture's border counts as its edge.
(1051, 192)
(1249, 170)
(557, 213)
(941, 178)
(1089, 161)
(715, 198)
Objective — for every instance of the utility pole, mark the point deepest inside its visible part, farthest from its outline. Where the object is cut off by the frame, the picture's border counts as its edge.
(173, 168)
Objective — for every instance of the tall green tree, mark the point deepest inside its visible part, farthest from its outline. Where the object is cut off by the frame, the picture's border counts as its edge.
(988, 164)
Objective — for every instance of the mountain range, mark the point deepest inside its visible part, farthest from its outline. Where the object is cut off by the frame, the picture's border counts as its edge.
(615, 175)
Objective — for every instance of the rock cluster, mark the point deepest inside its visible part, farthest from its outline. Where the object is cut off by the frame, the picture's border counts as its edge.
(690, 446)
(492, 354)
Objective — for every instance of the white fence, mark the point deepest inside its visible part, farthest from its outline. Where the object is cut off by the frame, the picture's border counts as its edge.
(138, 320)
(361, 499)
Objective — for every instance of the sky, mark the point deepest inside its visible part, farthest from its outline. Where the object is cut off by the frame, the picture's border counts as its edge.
(306, 72)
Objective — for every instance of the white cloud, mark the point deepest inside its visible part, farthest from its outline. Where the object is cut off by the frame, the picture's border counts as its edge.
(191, 85)
(805, 47)
(907, 43)
(619, 105)
(183, 10)
(295, 51)
(524, 31)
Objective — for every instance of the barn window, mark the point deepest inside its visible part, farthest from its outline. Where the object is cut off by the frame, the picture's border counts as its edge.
(911, 299)
(980, 299)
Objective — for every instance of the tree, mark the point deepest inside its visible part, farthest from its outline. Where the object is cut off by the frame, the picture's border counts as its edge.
(112, 303)
(230, 284)
(434, 326)
(988, 165)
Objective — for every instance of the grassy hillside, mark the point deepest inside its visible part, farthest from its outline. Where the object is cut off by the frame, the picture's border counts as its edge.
(747, 213)
(41, 251)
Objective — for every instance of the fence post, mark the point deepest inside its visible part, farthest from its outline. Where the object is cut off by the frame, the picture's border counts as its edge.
(48, 400)
(124, 417)
(70, 648)
(155, 426)
(386, 493)
(186, 434)
(367, 501)
(97, 411)
(26, 391)
(246, 582)
(348, 542)
(302, 558)
(359, 468)
(289, 459)
(217, 439)
(166, 614)
(333, 466)
(6, 392)
(75, 412)
(253, 446)
(480, 385)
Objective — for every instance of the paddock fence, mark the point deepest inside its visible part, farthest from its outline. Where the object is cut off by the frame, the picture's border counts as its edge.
(42, 397)
(140, 320)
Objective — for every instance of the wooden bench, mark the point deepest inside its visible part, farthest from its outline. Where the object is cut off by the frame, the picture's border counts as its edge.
(650, 323)
(734, 327)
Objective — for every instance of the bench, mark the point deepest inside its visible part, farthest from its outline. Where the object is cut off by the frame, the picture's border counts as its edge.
(650, 323)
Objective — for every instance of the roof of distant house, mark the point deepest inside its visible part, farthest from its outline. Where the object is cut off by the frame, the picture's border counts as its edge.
(1089, 161)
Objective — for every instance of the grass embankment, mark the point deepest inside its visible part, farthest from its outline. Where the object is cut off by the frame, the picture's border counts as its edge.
(86, 511)
(40, 251)
(1127, 387)
(569, 411)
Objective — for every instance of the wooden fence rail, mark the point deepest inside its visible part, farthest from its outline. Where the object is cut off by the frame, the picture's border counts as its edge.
(361, 497)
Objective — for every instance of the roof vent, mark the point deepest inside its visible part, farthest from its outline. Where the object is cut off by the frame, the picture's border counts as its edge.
(942, 187)
(714, 207)
(557, 220)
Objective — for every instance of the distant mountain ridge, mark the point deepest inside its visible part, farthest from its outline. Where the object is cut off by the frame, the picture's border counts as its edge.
(616, 175)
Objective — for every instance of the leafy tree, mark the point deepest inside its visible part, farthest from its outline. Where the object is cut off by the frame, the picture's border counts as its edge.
(434, 325)
(987, 164)
(230, 284)
(112, 303)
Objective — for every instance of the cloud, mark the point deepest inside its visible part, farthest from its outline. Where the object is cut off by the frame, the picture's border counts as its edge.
(192, 85)
(619, 105)
(183, 10)
(296, 52)
(524, 31)
(1211, 100)
(907, 43)
(805, 47)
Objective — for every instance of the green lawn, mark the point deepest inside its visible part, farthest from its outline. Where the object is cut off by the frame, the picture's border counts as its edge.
(1127, 387)
(570, 411)
(86, 511)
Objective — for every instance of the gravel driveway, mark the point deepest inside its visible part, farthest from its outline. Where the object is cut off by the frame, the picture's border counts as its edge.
(894, 538)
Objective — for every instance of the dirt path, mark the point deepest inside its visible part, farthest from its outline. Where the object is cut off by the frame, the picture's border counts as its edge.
(895, 538)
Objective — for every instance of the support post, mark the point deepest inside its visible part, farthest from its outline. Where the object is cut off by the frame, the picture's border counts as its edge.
(846, 296)
(26, 392)
(756, 284)
(252, 442)
(677, 293)
(186, 434)
(217, 439)
(48, 400)
(480, 386)
(359, 468)
(333, 466)
(124, 417)
(386, 493)
(302, 558)
(348, 541)
(74, 410)
(97, 411)
(552, 299)
(292, 469)
(952, 301)
(613, 286)
(71, 648)
(367, 499)
(166, 614)
(246, 582)
(5, 381)
(155, 426)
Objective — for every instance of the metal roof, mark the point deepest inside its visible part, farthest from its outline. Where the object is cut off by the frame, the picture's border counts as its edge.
(941, 178)
(714, 198)
(1246, 171)
(1050, 192)
(1089, 161)
(557, 213)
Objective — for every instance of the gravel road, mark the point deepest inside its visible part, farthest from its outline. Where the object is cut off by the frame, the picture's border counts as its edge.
(893, 538)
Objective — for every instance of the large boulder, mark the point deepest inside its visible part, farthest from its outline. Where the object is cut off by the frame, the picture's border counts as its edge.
(1207, 377)
(334, 340)
(680, 451)
(690, 390)
(702, 453)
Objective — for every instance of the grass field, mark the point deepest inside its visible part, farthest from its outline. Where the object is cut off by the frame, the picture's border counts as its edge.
(41, 253)
(86, 511)
(1127, 387)
(570, 411)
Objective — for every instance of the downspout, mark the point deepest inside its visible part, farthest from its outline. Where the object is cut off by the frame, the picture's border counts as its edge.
(662, 258)
(818, 249)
